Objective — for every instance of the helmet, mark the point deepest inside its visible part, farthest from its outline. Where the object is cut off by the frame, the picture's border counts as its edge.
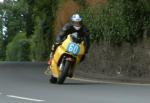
(76, 19)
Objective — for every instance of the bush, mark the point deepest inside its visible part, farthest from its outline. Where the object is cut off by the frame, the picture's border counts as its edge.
(2, 49)
(2, 55)
(117, 21)
(81, 2)
(18, 49)
(40, 45)
(33, 48)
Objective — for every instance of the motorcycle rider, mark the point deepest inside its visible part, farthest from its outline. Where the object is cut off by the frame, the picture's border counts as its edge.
(69, 28)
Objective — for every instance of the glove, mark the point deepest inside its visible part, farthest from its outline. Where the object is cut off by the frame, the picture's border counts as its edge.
(54, 46)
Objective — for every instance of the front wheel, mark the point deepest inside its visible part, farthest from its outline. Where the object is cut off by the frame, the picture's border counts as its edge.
(64, 72)
(52, 79)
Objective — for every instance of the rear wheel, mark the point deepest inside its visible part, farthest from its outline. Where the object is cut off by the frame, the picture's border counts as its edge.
(64, 72)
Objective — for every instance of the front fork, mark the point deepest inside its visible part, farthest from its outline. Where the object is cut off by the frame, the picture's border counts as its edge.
(71, 70)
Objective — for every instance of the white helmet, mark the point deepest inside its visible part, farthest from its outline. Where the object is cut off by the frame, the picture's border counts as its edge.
(76, 18)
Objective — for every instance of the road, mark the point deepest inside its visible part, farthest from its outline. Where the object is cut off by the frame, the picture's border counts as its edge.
(26, 83)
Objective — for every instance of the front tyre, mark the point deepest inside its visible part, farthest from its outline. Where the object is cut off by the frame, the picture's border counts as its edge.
(64, 72)
(52, 79)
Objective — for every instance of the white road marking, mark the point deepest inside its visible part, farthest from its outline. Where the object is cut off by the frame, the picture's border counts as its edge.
(25, 98)
(109, 82)
(0, 93)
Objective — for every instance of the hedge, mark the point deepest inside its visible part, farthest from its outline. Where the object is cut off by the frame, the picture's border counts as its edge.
(18, 49)
(118, 20)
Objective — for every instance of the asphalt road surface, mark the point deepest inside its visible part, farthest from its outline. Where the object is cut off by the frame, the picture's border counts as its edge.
(26, 83)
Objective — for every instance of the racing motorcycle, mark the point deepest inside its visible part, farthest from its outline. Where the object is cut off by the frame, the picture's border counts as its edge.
(66, 56)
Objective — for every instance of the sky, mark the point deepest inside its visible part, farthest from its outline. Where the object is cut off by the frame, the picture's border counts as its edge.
(1, 1)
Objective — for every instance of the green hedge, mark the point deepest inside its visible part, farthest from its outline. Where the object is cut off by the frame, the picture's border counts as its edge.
(18, 49)
(117, 21)
(2, 49)
(82, 3)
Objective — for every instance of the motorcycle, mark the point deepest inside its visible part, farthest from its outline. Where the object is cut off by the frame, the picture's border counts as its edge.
(66, 56)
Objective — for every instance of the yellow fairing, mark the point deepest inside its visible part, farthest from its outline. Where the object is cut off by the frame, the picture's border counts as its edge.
(62, 50)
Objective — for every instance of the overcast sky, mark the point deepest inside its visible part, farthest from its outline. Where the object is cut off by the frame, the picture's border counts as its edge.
(1, 0)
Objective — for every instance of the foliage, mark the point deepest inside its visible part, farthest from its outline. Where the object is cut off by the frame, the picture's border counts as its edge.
(12, 19)
(26, 16)
(81, 2)
(44, 28)
(2, 54)
(18, 49)
(118, 21)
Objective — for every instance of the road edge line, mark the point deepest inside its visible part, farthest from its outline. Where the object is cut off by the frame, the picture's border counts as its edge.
(108, 82)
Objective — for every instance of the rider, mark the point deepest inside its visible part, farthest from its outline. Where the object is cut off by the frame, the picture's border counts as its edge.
(69, 28)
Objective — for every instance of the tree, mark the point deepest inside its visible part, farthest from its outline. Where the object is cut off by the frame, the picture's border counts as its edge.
(18, 49)
(45, 11)
(13, 20)
(2, 47)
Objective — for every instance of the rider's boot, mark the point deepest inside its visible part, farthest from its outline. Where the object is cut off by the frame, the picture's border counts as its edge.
(50, 59)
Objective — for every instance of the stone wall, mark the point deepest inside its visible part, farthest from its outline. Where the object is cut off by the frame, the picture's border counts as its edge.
(124, 62)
